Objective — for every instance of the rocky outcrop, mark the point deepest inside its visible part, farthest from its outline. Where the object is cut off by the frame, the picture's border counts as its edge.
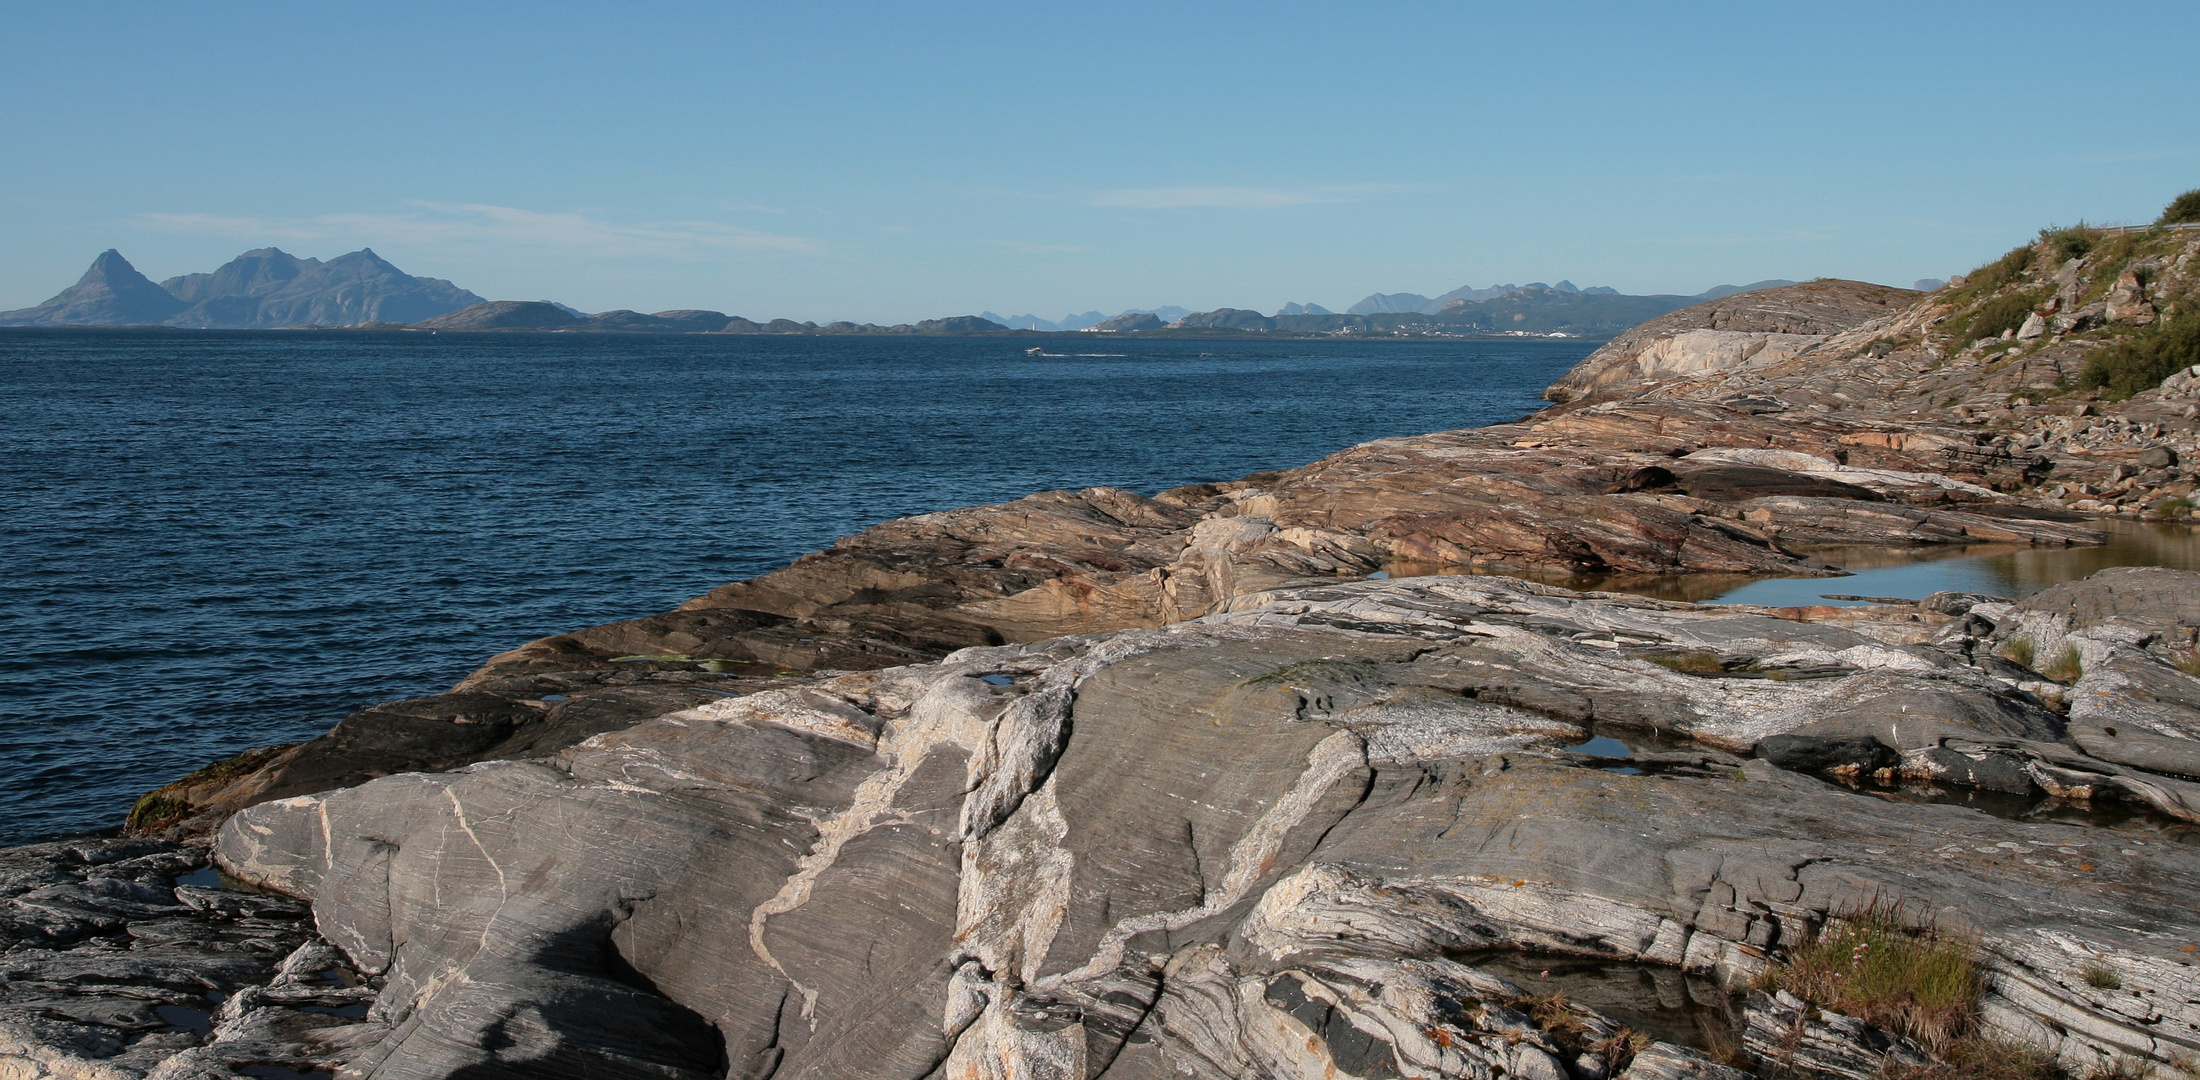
(1099, 784)
(1241, 845)
(504, 315)
(1735, 332)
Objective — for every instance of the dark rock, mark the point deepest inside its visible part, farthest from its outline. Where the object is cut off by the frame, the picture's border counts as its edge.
(1859, 754)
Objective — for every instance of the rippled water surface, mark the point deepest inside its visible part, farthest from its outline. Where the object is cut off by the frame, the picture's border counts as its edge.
(212, 541)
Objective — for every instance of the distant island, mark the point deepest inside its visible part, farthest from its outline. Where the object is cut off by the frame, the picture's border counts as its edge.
(268, 288)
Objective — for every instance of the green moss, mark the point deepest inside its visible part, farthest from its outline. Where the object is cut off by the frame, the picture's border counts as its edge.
(154, 810)
(1698, 662)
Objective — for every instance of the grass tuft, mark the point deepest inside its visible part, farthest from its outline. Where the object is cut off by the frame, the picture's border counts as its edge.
(2018, 651)
(1872, 965)
(2065, 667)
(2100, 976)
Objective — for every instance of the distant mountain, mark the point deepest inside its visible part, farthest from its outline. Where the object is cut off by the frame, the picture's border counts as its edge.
(679, 321)
(266, 287)
(1718, 291)
(111, 293)
(1929, 284)
(1225, 319)
(1381, 303)
(1304, 309)
(1129, 320)
(1033, 322)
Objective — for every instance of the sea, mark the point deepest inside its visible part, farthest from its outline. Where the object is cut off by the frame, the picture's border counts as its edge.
(215, 540)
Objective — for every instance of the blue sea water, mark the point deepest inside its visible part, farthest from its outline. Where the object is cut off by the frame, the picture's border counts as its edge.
(216, 540)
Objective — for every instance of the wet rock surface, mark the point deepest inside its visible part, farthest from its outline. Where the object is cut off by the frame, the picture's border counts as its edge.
(127, 958)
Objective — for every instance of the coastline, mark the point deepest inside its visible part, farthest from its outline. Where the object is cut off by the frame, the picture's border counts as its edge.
(1154, 785)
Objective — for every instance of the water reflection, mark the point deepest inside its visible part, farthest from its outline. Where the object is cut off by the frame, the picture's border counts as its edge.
(1906, 572)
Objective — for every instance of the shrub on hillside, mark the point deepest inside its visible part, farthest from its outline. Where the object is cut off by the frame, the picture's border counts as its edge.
(2184, 208)
(2141, 363)
(2069, 243)
(2005, 312)
(2000, 272)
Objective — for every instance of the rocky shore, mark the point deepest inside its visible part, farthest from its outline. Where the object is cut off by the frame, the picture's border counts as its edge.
(1094, 783)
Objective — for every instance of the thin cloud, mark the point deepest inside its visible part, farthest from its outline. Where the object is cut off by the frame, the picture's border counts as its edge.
(1023, 248)
(1240, 198)
(445, 224)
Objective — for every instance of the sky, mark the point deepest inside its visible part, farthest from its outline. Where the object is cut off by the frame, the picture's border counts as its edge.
(891, 162)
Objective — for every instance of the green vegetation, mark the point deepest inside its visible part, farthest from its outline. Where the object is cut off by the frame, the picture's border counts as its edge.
(155, 810)
(1698, 662)
(2000, 272)
(2141, 362)
(2018, 651)
(2187, 662)
(2068, 244)
(2100, 976)
(2174, 508)
(2182, 209)
(2065, 667)
(2004, 312)
(1870, 964)
(1985, 1059)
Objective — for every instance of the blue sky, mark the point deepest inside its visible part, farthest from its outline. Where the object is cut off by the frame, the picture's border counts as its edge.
(893, 162)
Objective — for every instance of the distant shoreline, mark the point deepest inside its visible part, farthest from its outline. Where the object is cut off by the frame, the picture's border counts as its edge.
(1035, 335)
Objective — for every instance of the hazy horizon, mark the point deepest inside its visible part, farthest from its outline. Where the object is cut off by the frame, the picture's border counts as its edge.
(890, 164)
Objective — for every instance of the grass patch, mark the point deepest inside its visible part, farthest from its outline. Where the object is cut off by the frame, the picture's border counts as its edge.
(1983, 1059)
(2005, 312)
(2179, 507)
(1698, 662)
(2064, 666)
(2182, 209)
(2018, 651)
(2189, 663)
(2100, 976)
(2000, 272)
(2140, 363)
(1872, 965)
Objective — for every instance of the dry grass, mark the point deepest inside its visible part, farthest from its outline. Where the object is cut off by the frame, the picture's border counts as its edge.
(2018, 651)
(2100, 976)
(1556, 1016)
(2188, 662)
(2065, 666)
(1983, 1059)
(1873, 965)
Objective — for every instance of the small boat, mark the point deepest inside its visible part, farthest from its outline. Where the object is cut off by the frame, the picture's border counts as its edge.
(1035, 350)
